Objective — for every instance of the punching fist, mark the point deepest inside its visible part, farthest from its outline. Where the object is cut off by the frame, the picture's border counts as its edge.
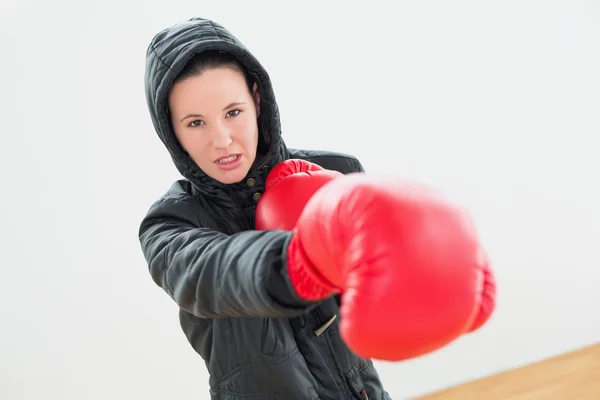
(407, 262)
(409, 265)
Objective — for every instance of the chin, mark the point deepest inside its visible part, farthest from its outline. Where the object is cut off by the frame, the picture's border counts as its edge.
(228, 180)
(231, 177)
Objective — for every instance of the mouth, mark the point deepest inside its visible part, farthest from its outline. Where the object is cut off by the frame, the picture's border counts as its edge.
(228, 159)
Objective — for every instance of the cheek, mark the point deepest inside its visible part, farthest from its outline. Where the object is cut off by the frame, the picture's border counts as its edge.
(246, 131)
(193, 144)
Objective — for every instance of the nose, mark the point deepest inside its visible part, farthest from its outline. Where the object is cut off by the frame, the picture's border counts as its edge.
(221, 137)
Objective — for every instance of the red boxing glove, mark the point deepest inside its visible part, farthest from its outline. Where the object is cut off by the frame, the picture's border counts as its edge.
(288, 188)
(409, 265)
(412, 274)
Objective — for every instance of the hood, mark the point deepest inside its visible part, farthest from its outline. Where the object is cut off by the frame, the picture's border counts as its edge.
(167, 54)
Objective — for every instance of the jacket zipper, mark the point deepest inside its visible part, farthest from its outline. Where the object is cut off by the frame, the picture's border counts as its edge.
(325, 323)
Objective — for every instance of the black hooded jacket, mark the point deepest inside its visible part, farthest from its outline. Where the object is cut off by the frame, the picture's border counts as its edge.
(238, 310)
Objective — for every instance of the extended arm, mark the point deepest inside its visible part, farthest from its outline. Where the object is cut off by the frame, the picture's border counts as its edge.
(211, 274)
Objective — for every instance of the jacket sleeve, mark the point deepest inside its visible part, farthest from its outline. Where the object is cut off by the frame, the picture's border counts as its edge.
(341, 162)
(355, 165)
(211, 274)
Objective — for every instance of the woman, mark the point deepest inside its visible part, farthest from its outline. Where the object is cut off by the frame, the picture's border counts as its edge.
(213, 106)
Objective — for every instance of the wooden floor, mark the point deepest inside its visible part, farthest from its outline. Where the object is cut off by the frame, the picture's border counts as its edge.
(572, 376)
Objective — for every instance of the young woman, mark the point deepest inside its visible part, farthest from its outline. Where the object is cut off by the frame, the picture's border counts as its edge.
(213, 107)
(257, 282)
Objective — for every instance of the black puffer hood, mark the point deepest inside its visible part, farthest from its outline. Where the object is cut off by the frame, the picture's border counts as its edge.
(167, 54)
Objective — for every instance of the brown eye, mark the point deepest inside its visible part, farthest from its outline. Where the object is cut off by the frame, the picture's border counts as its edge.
(233, 113)
(196, 123)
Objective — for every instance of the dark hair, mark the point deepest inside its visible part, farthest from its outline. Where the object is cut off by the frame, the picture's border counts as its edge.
(214, 59)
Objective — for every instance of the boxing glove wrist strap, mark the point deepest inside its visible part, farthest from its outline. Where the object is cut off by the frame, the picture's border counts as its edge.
(305, 278)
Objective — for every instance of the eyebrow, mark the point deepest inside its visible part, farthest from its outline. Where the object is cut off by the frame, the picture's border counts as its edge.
(235, 103)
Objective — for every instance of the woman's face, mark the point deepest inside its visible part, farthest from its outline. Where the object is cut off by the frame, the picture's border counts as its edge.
(214, 117)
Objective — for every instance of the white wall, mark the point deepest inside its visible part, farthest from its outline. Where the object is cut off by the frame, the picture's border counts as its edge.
(495, 102)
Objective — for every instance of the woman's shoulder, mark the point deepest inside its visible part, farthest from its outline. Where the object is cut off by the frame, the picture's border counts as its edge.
(177, 201)
(180, 190)
(335, 160)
